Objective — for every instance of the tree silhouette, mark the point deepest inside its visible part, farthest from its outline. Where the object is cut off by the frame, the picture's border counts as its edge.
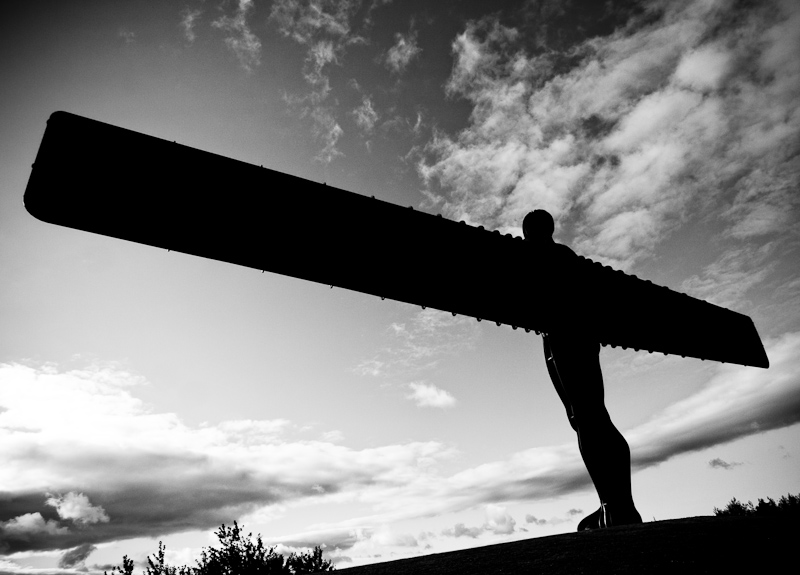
(238, 554)
(788, 505)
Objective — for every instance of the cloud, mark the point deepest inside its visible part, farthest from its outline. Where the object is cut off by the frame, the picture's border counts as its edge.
(626, 137)
(28, 525)
(128, 35)
(569, 516)
(385, 537)
(149, 473)
(365, 115)
(328, 131)
(76, 557)
(727, 280)
(718, 463)
(736, 402)
(461, 530)
(240, 39)
(402, 52)
(338, 539)
(76, 506)
(333, 436)
(324, 28)
(420, 343)
(428, 395)
(189, 17)
(95, 455)
(305, 21)
(532, 519)
(498, 522)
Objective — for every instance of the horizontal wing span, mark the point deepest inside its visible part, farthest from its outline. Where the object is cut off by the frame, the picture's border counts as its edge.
(107, 180)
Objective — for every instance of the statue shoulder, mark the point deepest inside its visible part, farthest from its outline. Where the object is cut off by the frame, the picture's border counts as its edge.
(563, 251)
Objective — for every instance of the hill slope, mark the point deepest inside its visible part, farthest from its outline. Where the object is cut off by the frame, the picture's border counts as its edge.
(691, 545)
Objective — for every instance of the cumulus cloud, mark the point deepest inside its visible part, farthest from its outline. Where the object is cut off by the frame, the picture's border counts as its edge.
(498, 522)
(532, 519)
(76, 507)
(28, 525)
(625, 137)
(428, 395)
(240, 39)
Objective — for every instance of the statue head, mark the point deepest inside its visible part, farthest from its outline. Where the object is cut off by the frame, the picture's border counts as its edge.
(538, 226)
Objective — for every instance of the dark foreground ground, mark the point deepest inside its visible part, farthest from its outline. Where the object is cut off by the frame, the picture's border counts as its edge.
(681, 546)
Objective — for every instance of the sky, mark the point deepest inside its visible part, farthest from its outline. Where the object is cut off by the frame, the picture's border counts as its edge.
(150, 396)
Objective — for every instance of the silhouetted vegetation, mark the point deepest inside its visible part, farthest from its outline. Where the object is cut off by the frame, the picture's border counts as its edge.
(238, 554)
(785, 506)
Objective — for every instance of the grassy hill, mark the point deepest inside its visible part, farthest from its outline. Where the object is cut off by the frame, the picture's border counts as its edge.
(682, 546)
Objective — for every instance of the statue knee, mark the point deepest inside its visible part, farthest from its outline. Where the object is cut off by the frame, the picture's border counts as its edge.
(573, 422)
(590, 420)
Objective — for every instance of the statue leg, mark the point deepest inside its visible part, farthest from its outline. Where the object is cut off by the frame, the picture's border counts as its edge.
(574, 367)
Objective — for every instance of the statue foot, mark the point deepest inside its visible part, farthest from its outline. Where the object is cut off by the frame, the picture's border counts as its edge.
(610, 516)
(592, 521)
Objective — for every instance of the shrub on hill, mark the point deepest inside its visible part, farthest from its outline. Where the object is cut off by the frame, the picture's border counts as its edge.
(239, 554)
(786, 505)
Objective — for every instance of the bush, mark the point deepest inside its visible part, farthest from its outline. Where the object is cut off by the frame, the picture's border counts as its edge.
(238, 555)
(787, 505)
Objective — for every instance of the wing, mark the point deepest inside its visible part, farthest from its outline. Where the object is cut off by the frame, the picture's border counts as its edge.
(107, 180)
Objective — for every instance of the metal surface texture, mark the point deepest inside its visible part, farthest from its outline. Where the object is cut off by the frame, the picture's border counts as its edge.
(99, 178)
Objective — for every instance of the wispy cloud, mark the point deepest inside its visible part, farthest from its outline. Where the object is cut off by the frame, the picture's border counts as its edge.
(626, 136)
(128, 35)
(421, 342)
(189, 17)
(324, 28)
(569, 516)
(404, 50)
(718, 463)
(365, 115)
(726, 280)
(240, 39)
(76, 557)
